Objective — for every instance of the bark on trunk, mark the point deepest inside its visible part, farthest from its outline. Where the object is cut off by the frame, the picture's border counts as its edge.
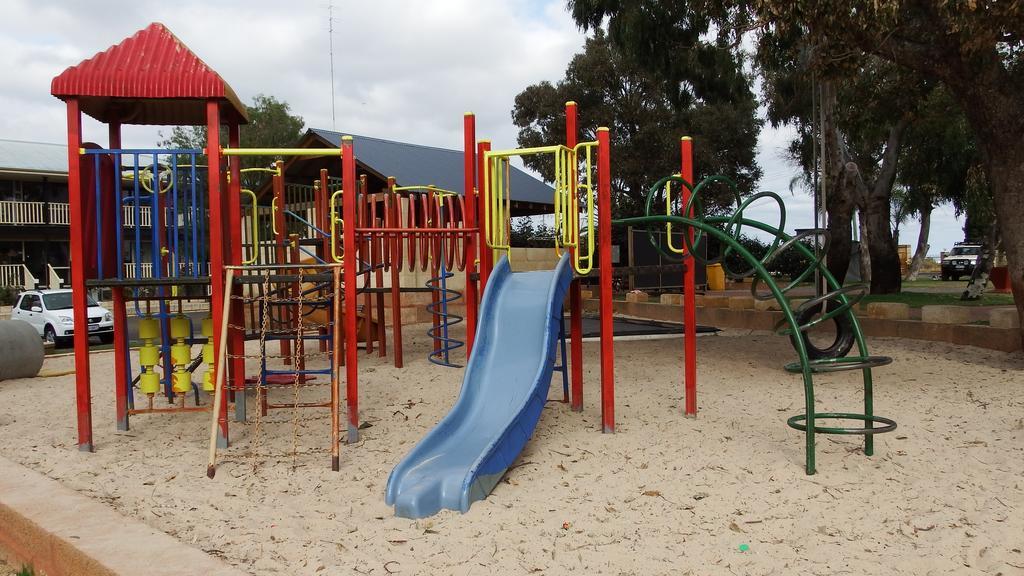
(865, 242)
(921, 252)
(840, 228)
(838, 195)
(983, 268)
(885, 258)
(1006, 176)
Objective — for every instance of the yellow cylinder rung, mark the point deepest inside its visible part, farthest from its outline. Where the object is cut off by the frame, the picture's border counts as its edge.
(207, 327)
(149, 328)
(182, 382)
(181, 354)
(180, 327)
(149, 382)
(208, 353)
(208, 381)
(149, 355)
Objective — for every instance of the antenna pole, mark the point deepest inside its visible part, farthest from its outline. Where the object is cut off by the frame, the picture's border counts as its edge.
(330, 29)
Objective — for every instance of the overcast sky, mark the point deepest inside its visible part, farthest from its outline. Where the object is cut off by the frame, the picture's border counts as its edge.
(403, 70)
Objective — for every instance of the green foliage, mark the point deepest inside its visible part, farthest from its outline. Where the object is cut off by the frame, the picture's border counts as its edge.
(26, 571)
(271, 125)
(8, 294)
(787, 265)
(527, 234)
(647, 114)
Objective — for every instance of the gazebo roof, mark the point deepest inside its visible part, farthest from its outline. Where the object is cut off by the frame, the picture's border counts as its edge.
(151, 77)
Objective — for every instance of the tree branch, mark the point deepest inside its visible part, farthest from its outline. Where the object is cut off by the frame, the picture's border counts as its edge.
(887, 173)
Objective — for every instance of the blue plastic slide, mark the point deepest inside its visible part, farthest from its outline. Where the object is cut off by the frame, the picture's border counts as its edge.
(503, 391)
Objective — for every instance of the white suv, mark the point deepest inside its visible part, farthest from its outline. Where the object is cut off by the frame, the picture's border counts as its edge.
(50, 313)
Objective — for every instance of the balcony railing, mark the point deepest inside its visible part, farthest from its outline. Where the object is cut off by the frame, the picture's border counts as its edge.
(17, 275)
(60, 213)
(16, 212)
(145, 216)
(145, 270)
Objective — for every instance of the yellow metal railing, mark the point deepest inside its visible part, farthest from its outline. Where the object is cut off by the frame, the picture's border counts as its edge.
(279, 151)
(497, 224)
(583, 259)
(427, 188)
(567, 187)
(332, 213)
(668, 212)
(255, 232)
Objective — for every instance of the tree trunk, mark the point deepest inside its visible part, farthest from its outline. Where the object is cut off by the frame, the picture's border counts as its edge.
(997, 123)
(840, 229)
(838, 196)
(1006, 174)
(921, 252)
(865, 242)
(885, 258)
(983, 267)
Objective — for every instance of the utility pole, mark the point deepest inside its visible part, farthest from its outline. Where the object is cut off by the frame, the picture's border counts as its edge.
(330, 31)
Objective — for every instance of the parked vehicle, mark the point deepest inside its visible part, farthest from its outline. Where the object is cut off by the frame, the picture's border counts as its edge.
(50, 313)
(960, 261)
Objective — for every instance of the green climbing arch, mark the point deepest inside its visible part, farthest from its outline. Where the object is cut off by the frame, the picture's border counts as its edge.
(837, 304)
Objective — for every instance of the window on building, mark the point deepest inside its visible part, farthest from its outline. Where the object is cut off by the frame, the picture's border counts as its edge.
(6, 190)
(32, 191)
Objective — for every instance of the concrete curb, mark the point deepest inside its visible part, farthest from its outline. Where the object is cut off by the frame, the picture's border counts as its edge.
(60, 532)
(992, 338)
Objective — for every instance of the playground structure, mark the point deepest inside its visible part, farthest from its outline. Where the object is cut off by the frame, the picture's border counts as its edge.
(310, 267)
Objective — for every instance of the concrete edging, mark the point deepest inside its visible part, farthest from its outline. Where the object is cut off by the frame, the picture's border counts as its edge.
(60, 532)
(989, 337)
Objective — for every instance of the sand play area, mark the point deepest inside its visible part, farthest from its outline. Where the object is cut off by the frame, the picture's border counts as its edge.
(724, 493)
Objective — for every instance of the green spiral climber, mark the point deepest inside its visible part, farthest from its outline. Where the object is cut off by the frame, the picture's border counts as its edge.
(837, 304)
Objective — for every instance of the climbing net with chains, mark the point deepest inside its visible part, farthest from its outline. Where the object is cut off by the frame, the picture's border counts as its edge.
(293, 304)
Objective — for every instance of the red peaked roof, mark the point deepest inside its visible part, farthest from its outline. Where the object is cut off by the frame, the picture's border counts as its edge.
(149, 78)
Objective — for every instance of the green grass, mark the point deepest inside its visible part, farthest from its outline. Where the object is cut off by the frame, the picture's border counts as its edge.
(918, 299)
(26, 571)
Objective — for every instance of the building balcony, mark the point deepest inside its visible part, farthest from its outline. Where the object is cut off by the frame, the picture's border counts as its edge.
(18, 213)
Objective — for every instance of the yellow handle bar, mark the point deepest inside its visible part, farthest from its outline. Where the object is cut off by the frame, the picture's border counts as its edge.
(255, 228)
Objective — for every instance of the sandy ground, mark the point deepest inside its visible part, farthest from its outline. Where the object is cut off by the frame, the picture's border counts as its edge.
(721, 494)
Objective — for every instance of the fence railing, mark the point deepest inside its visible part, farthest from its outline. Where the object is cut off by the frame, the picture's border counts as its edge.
(17, 276)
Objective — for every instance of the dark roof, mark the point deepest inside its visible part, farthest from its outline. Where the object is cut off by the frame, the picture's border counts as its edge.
(151, 77)
(415, 164)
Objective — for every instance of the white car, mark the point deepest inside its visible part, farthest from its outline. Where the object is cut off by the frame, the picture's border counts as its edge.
(50, 313)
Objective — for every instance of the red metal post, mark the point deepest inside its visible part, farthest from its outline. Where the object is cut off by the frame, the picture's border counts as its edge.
(469, 220)
(575, 291)
(296, 258)
(236, 336)
(348, 182)
(395, 246)
(217, 260)
(120, 320)
(689, 290)
(323, 216)
(604, 242)
(486, 254)
(83, 385)
(327, 242)
(280, 254)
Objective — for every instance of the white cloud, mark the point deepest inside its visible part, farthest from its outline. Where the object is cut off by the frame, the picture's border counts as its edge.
(403, 70)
